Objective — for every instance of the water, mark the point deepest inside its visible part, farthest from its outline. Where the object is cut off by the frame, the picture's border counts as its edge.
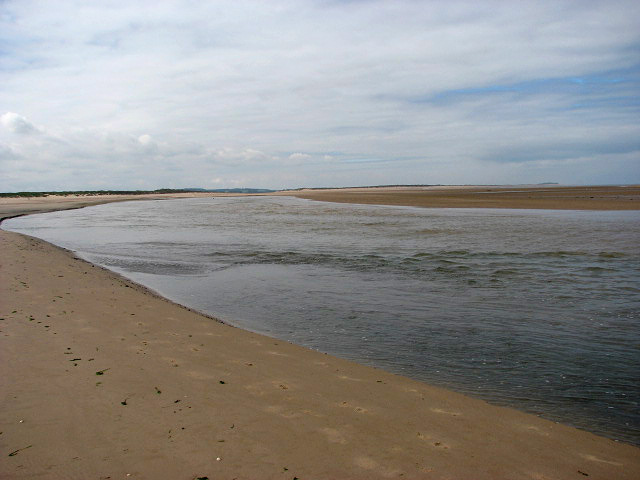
(539, 310)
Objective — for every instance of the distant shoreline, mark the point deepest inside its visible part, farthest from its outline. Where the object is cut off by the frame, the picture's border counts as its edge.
(542, 196)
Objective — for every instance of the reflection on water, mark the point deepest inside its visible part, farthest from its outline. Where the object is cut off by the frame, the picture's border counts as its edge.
(533, 309)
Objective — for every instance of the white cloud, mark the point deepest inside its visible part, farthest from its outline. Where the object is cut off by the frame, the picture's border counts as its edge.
(299, 156)
(18, 124)
(358, 91)
(145, 140)
(239, 157)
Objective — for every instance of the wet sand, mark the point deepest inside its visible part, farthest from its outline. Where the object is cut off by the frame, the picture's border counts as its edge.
(100, 378)
(531, 197)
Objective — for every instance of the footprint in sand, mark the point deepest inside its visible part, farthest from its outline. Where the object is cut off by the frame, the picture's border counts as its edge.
(366, 463)
(280, 385)
(200, 375)
(279, 410)
(262, 388)
(290, 415)
(277, 354)
(255, 389)
(172, 361)
(274, 409)
(356, 409)
(593, 458)
(445, 412)
(432, 441)
(333, 435)
(534, 429)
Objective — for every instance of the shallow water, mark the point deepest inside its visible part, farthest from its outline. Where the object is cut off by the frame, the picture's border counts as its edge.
(534, 309)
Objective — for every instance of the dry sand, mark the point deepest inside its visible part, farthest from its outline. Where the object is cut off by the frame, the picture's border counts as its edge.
(101, 379)
(537, 197)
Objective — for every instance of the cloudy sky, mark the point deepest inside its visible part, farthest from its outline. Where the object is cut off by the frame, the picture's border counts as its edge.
(281, 94)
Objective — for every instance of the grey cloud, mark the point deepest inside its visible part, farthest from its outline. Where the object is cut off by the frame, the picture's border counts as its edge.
(7, 154)
(559, 151)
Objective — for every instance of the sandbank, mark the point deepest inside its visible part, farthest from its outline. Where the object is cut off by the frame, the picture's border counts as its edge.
(16, 206)
(101, 378)
(522, 196)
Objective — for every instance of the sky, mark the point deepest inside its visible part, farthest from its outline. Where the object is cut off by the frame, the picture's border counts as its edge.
(311, 93)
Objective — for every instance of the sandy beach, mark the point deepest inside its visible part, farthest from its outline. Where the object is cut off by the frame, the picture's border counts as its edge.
(101, 378)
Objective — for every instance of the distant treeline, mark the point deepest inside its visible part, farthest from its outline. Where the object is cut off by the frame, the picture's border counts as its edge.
(89, 193)
(92, 192)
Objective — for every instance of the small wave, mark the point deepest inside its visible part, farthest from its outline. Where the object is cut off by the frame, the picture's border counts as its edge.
(446, 262)
(480, 254)
(611, 255)
(559, 254)
(443, 253)
(432, 231)
(505, 272)
(362, 262)
(146, 265)
(456, 253)
(599, 269)
(454, 270)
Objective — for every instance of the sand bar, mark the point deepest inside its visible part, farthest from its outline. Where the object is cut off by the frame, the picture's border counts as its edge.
(528, 196)
(16, 206)
(100, 378)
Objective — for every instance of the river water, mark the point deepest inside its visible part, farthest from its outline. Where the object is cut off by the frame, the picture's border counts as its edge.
(539, 310)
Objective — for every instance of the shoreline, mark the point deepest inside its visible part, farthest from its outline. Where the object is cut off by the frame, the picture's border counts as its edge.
(196, 390)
